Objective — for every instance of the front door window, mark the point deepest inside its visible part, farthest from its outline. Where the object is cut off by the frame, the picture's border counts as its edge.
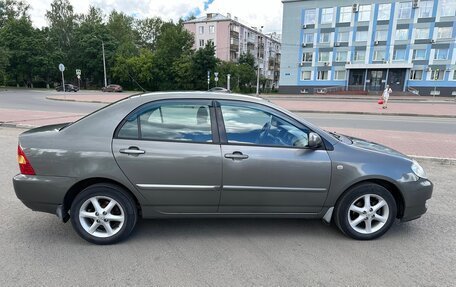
(252, 126)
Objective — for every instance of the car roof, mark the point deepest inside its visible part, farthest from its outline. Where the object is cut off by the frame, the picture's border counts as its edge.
(197, 95)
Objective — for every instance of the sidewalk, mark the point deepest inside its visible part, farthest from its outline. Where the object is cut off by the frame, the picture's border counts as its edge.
(413, 106)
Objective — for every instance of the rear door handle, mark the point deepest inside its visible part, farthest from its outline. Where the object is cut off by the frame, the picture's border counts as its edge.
(237, 155)
(132, 150)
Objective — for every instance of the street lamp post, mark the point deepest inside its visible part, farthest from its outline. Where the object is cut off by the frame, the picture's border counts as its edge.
(104, 64)
(258, 63)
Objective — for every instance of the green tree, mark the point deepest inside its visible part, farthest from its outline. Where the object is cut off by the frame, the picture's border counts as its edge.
(148, 31)
(19, 39)
(248, 59)
(173, 42)
(12, 9)
(204, 60)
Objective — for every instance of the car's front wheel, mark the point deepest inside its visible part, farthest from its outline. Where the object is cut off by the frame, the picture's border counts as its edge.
(103, 214)
(366, 211)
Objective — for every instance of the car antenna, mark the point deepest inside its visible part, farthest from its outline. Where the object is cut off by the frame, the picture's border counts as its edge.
(133, 79)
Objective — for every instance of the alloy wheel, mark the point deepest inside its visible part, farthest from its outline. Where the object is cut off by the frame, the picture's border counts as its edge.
(368, 213)
(101, 216)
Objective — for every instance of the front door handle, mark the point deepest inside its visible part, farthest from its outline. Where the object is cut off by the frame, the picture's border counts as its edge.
(132, 151)
(237, 155)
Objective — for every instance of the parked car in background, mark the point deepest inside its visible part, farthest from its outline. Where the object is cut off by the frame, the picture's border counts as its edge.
(112, 88)
(220, 90)
(197, 154)
(68, 88)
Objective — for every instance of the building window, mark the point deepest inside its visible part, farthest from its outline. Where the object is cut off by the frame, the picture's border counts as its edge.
(441, 54)
(422, 33)
(402, 34)
(444, 32)
(201, 30)
(211, 29)
(340, 75)
(419, 54)
(405, 10)
(309, 16)
(327, 15)
(454, 75)
(384, 11)
(341, 56)
(323, 57)
(306, 75)
(426, 8)
(201, 43)
(381, 35)
(308, 38)
(416, 74)
(399, 55)
(447, 8)
(360, 56)
(379, 55)
(342, 37)
(324, 37)
(437, 75)
(345, 14)
(364, 12)
(322, 75)
(361, 36)
(307, 56)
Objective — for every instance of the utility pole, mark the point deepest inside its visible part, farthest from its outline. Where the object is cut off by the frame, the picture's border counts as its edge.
(104, 64)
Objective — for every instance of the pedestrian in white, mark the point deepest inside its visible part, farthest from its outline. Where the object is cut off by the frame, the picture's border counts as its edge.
(385, 95)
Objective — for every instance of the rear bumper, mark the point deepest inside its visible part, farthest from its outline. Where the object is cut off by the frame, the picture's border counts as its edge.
(42, 193)
(415, 196)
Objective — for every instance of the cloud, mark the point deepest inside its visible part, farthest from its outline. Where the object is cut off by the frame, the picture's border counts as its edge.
(267, 13)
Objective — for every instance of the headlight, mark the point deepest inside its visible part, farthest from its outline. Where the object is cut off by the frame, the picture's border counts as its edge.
(418, 170)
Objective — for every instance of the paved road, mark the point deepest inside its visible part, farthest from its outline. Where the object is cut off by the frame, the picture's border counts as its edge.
(384, 122)
(37, 250)
(36, 100)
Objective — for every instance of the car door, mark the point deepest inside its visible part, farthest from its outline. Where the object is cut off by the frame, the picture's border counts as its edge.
(267, 166)
(170, 151)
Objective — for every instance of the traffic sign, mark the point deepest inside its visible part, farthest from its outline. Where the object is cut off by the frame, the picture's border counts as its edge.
(61, 67)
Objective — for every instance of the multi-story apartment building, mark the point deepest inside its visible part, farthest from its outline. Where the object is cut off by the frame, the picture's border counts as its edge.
(366, 44)
(232, 38)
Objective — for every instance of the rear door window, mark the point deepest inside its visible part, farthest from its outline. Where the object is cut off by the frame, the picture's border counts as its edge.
(187, 122)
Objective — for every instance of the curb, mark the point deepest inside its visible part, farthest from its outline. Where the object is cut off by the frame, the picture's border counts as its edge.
(374, 114)
(441, 160)
(72, 100)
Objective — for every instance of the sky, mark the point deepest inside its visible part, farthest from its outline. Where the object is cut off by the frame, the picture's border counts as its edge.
(267, 13)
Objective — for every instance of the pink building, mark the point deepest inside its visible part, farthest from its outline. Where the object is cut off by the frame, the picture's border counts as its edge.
(231, 39)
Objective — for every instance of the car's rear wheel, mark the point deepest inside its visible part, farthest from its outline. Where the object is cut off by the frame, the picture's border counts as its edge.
(366, 211)
(103, 214)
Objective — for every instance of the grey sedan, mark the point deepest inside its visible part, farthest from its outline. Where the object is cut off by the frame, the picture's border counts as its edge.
(201, 154)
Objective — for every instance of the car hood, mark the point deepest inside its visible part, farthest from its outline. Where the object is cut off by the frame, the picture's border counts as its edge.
(368, 145)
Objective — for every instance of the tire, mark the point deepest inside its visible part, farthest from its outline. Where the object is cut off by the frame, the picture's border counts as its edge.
(111, 221)
(365, 222)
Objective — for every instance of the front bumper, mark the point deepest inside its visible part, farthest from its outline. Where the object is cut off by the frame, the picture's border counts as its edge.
(415, 196)
(42, 193)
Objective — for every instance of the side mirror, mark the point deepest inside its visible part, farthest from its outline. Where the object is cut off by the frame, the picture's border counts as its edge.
(314, 140)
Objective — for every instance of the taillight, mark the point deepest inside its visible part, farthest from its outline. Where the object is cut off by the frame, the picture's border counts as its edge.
(24, 165)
